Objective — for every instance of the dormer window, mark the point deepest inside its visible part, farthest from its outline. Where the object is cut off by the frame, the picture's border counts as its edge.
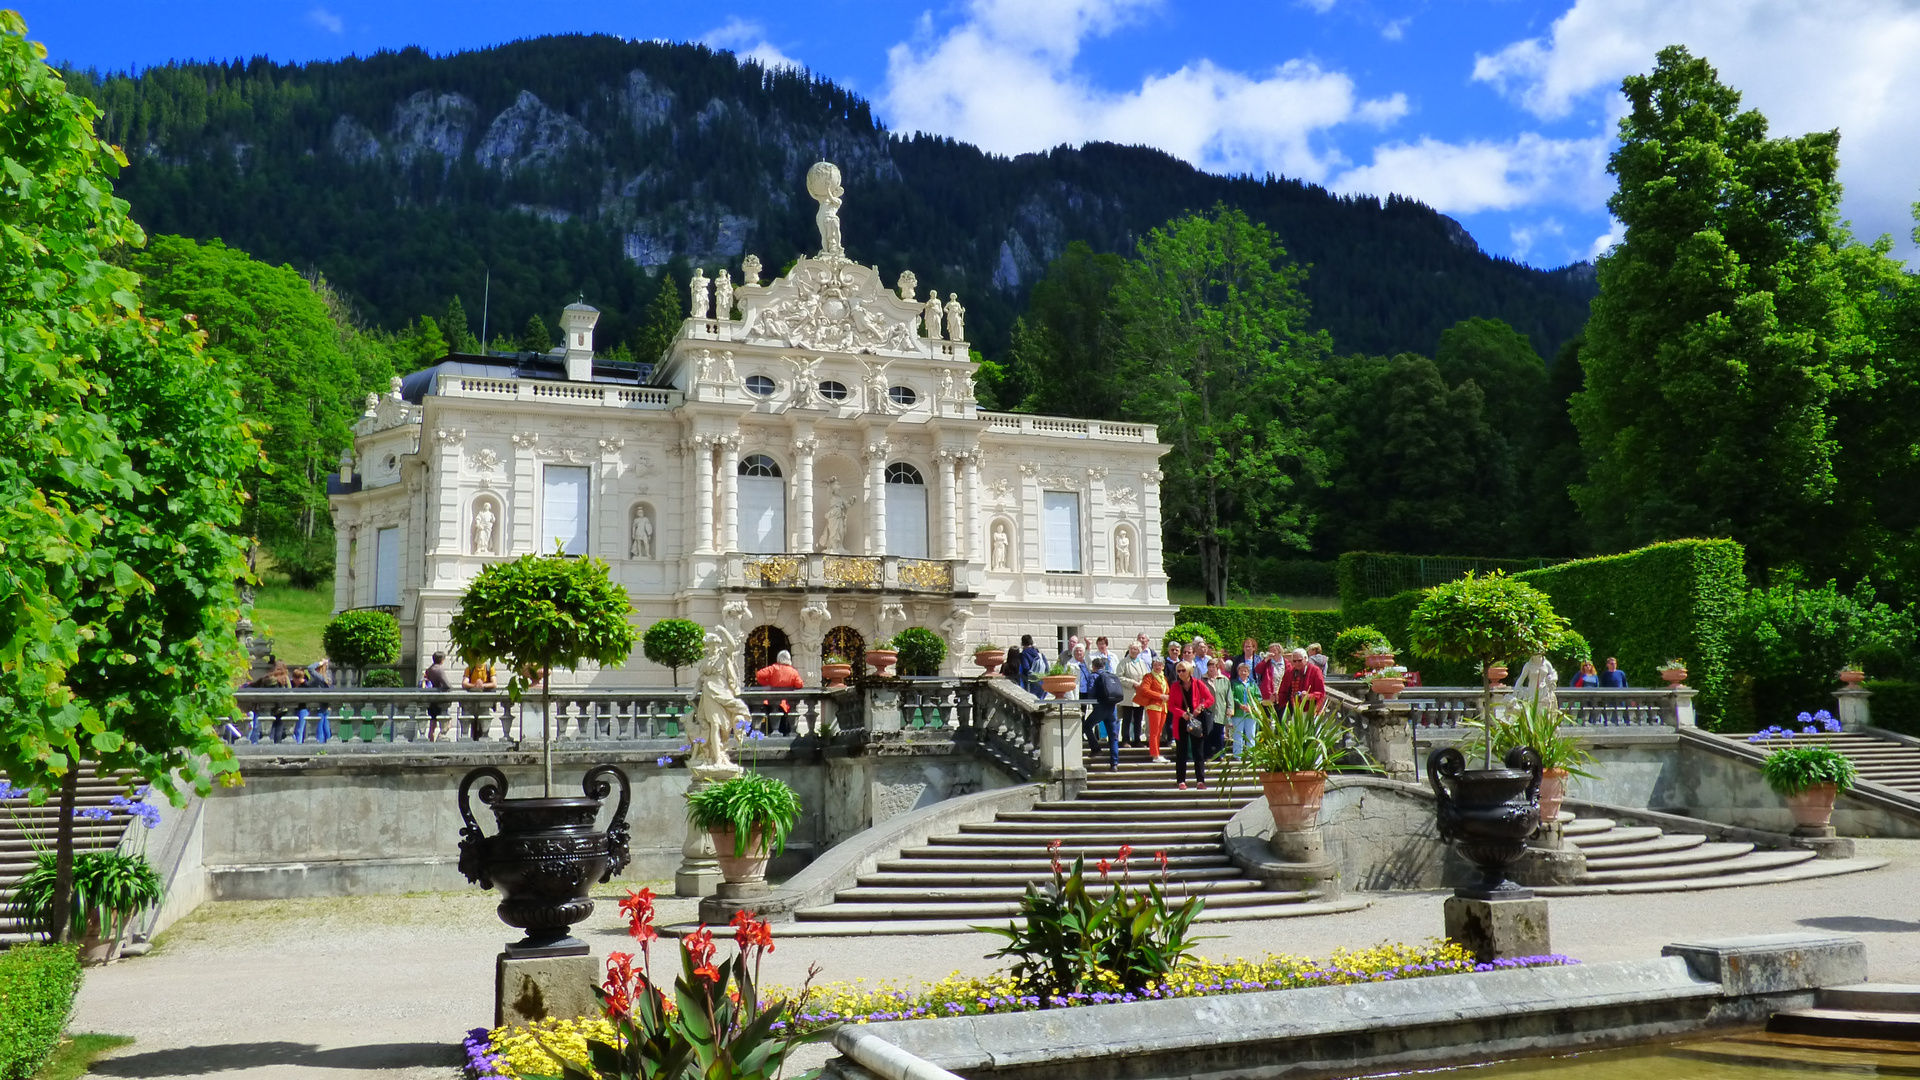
(833, 391)
(759, 386)
(902, 396)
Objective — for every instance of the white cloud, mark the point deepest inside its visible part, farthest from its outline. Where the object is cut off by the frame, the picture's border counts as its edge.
(326, 20)
(748, 41)
(1466, 178)
(1846, 64)
(1396, 29)
(1004, 80)
(1602, 244)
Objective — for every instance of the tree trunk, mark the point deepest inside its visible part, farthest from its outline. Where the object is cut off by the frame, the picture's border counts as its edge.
(62, 915)
(546, 730)
(1213, 570)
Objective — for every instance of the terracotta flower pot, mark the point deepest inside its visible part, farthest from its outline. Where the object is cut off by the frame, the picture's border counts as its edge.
(1553, 789)
(1813, 807)
(1853, 678)
(1060, 685)
(836, 674)
(990, 660)
(1496, 674)
(1376, 661)
(97, 947)
(1294, 798)
(1674, 676)
(747, 869)
(881, 659)
(1388, 688)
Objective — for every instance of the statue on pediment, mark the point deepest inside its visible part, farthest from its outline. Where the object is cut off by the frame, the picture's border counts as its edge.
(823, 183)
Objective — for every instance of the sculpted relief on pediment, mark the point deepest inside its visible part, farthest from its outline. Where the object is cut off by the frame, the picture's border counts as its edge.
(832, 304)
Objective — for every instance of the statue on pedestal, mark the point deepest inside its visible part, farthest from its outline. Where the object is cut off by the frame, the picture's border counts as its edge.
(718, 711)
(483, 522)
(833, 538)
(697, 295)
(956, 326)
(1538, 682)
(750, 271)
(642, 546)
(723, 296)
(930, 317)
(823, 183)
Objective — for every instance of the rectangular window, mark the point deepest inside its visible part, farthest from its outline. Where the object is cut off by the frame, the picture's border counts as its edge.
(386, 566)
(1060, 514)
(563, 513)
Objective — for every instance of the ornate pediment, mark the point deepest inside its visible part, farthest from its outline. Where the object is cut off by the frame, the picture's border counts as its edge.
(831, 304)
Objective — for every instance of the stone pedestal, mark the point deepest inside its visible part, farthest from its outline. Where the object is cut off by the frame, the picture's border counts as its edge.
(1499, 929)
(527, 988)
(699, 873)
(1298, 845)
(745, 890)
(1059, 749)
(1549, 859)
(1851, 709)
(1389, 738)
(1825, 847)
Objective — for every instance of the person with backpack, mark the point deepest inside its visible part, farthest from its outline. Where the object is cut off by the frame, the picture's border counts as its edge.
(1107, 694)
(1030, 665)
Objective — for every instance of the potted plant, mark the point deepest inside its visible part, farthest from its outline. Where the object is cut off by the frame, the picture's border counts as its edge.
(674, 644)
(1060, 680)
(920, 651)
(835, 669)
(110, 889)
(749, 818)
(1852, 673)
(1674, 671)
(882, 655)
(1294, 747)
(1809, 777)
(1537, 727)
(990, 658)
(1355, 643)
(1388, 681)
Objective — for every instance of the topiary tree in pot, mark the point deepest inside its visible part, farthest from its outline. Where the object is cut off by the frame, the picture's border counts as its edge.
(674, 643)
(1487, 620)
(358, 640)
(921, 651)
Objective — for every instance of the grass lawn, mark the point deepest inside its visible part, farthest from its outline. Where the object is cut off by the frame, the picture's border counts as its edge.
(293, 618)
(72, 1057)
(1240, 599)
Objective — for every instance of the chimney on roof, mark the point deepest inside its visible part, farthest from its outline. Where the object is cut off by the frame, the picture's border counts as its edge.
(576, 321)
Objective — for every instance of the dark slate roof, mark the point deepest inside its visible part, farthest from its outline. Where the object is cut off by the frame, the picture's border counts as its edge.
(526, 365)
(335, 487)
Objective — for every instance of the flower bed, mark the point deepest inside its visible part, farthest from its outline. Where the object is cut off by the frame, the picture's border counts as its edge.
(511, 1052)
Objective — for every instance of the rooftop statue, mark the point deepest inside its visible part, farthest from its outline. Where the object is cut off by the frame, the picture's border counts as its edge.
(823, 183)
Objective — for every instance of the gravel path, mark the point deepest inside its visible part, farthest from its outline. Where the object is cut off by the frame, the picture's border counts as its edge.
(386, 986)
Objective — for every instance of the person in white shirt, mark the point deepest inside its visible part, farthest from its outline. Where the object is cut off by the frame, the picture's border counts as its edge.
(1131, 669)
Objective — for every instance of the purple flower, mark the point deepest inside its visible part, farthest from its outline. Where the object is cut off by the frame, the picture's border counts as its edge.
(663, 761)
(93, 813)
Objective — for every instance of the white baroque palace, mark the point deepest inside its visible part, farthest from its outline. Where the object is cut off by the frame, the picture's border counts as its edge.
(809, 448)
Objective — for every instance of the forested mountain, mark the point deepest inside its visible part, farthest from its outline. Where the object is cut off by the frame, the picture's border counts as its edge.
(574, 165)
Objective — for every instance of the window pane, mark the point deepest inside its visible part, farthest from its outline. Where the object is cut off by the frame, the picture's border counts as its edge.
(564, 510)
(1061, 514)
(763, 515)
(907, 520)
(386, 566)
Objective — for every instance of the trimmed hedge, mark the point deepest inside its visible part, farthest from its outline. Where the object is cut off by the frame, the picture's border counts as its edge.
(37, 987)
(1373, 575)
(1265, 576)
(1895, 705)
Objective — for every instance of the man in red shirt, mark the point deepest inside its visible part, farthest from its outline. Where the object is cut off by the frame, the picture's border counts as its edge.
(1301, 679)
(781, 675)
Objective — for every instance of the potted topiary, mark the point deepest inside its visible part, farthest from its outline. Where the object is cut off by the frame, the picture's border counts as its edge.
(1809, 777)
(749, 818)
(1674, 671)
(1294, 747)
(881, 655)
(674, 643)
(990, 657)
(921, 651)
(1355, 643)
(835, 669)
(358, 640)
(1060, 680)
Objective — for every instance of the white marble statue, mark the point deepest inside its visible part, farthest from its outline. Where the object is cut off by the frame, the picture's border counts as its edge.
(642, 539)
(823, 183)
(1123, 552)
(1002, 545)
(909, 284)
(728, 374)
(1538, 683)
(930, 316)
(698, 298)
(718, 710)
(483, 522)
(955, 315)
(723, 296)
(750, 271)
(833, 538)
(393, 389)
(946, 385)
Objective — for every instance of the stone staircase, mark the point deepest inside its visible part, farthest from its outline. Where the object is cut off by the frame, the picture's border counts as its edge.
(1643, 858)
(1882, 761)
(25, 829)
(978, 875)
(1888, 1012)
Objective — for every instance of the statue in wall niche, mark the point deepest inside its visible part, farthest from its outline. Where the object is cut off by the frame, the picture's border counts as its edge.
(750, 271)
(1002, 546)
(1123, 552)
(833, 538)
(946, 385)
(723, 296)
(823, 183)
(641, 546)
(728, 374)
(955, 316)
(483, 523)
(697, 296)
(1537, 683)
(930, 317)
(908, 286)
(718, 711)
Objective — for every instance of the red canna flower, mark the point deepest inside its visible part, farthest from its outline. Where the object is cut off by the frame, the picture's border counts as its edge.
(699, 946)
(638, 908)
(619, 984)
(751, 933)
(1161, 858)
(1104, 867)
(1126, 852)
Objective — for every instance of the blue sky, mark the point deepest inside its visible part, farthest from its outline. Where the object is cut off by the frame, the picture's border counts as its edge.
(1499, 112)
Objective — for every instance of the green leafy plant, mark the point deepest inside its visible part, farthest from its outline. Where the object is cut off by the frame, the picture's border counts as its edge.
(1791, 770)
(358, 640)
(1058, 668)
(1355, 642)
(1485, 619)
(383, 678)
(921, 651)
(1065, 941)
(37, 987)
(1569, 651)
(1300, 736)
(1183, 633)
(1529, 723)
(108, 886)
(674, 643)
(1675, 664)
(540, 612)
(745, 803)
(833, 658)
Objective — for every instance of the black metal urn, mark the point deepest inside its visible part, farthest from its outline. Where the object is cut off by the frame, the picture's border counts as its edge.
(544, 856)
(1490, 813)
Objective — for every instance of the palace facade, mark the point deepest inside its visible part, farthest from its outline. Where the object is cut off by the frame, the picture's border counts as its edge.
(810, 445)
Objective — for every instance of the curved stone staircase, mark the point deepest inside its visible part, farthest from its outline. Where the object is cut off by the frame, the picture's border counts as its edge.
(25, 829)
(978, 874)
(1625, 858)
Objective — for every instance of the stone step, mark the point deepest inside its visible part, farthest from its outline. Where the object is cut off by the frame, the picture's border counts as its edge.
(1871, 997)
(1070, 814)
(1740, 864)
(1011, 894)
(1631, 834)
(1665, 842)
(1683, 857)
(992, 909)
(1158, 800)
(936, 877)
(973, 846)
(1031, 863)
(1585, 826)
(1815, 868)
(1847, 1024)
(807, 926)
(1090, 827)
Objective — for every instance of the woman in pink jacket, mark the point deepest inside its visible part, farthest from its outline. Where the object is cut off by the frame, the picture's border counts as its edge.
(1190, 711)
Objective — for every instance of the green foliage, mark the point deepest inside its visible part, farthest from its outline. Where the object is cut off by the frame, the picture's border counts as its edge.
(37, 986)
(1299, 736)
(1355, 642)
(1063, 359)
(75, 1055)
(1214, 348)
(674, 643)
(1064, 941)
(1530, 724)
(1895, 705)
(921, 651)
(458, 329)
(541, 612)
(361, 638)
(1263, 625)
(662, 321)
(107, 885)
(1569, 652)
(1489, 620)
(536, 337)
(1737, 332)
(1373, 575)
(745, 803)
(1182, 633)
(1791, 770)
(384, 678)
(1789, 641)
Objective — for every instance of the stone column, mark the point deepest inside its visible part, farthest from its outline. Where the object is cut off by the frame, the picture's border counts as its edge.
(803, 449)
(949, 532)
(700, 449)
(699, 873)
(1850, 707)
(730, 493)
(1389, 738)
(1099, 558)
(972, 524)
(1032, 536)
(1149, 539)
(877, 496)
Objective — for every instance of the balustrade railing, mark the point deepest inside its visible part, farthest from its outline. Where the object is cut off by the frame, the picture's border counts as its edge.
(1446, 707)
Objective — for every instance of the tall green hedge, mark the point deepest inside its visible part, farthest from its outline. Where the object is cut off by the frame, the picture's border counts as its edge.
(37, 986)
(1895, 705)
(1266, 625)
(1374, 575)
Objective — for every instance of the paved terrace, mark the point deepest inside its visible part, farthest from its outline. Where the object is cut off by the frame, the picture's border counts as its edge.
(374, 987)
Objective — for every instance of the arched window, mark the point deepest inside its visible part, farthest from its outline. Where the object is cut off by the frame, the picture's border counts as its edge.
(833, 391)
(763, 506)
(902, 396)
(906, 511)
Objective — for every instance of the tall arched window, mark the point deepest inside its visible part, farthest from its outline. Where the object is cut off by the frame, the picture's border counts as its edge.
(906, 511)
(763, 506)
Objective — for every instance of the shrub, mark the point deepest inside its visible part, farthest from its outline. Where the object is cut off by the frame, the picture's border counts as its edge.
(1356, 641)
(384, 678)
(921, 651)
(1895, 705)
(747, 802)
(361, 639)
(674, 643)
(1792, 640)
(1791, 770)
(37, 987)
(1181, 633)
